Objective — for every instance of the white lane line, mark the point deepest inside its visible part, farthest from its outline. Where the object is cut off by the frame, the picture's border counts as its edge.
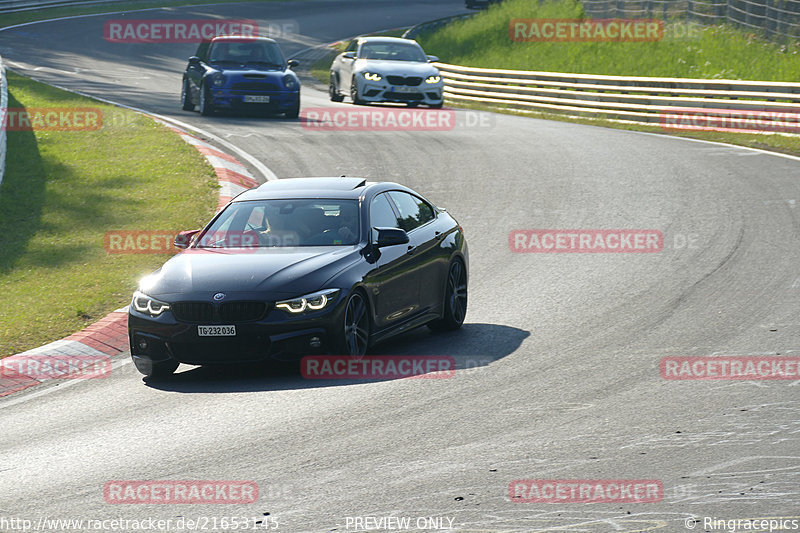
(718, 143)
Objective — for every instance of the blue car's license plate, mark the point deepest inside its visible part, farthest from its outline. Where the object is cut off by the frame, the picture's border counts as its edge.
(256, 99)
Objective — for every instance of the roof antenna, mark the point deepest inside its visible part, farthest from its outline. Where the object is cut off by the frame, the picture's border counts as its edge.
(343, 176)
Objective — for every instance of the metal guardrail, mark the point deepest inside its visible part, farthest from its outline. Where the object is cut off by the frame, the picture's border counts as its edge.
(3, 111)
(758, 105)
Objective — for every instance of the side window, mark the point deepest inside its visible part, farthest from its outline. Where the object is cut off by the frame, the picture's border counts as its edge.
(352, 46)
(381, 214)
(414, 212)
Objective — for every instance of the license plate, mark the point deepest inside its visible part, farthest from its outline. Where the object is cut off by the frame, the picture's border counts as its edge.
(256, 99)
(216, 331)
(405, 90)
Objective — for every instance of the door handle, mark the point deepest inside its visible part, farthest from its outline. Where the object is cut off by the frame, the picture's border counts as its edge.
(411, 249)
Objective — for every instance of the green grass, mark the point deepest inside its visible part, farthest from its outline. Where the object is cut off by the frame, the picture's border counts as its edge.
(63, 190)
(9, 19)
(707, 52)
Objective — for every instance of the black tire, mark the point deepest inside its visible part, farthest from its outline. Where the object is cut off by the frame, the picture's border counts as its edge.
(354, 329)
(412, 104)
(206, 107)
(455, 299)
(333, 90)
(437, 106)
(186, 97)
(294, 112)
(354, 92)
(153, 370)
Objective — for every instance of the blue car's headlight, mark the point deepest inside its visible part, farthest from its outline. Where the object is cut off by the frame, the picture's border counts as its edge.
(218, 79)
(433, 79)
(372, 76)
(310, 302)
(145, 304)
(290, 82)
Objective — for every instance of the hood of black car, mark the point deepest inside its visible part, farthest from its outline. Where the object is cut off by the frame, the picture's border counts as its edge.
(272, 273)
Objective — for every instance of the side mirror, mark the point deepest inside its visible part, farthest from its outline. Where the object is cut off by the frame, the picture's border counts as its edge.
(349, 55)
(184, 238)
(391, 237)
(292, 63)
(433, 59)
(194, 60)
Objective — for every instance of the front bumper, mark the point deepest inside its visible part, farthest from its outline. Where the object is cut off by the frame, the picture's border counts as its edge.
(279, 101)
(427, 94)
(277, 336)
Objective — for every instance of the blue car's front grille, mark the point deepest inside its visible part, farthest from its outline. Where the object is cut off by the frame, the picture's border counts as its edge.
(256, 86)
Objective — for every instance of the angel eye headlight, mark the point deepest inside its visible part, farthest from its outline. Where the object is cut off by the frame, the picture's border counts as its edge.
(145, 304)
(433, 79)
(309, 302)
(372, 76)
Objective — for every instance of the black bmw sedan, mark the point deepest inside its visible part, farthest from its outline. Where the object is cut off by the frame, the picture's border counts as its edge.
(298, 267)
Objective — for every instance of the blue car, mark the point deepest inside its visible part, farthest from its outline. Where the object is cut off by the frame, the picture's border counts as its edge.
(241, 73)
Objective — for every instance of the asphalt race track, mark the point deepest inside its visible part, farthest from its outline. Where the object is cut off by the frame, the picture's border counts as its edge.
(559, 357)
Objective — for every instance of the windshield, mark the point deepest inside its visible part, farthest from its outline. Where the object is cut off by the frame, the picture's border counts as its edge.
(284, 223)
(246, 52)
(393, 52)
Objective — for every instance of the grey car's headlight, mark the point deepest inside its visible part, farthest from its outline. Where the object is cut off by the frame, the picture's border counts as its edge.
(218, 79)
(433, 79)
(372, 76)
(289, 81)
(146, 304)
(310, 302)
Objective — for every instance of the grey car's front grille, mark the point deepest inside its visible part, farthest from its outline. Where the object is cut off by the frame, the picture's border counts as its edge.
(411, 81)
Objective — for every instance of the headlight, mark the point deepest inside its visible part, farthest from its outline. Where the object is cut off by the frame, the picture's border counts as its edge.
(218, 79)
(309, 302)
(289, 81)
(372, 76)
(145, 304)
(433, 79)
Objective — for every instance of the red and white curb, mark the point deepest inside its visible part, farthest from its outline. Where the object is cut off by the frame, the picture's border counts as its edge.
(109, 336)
